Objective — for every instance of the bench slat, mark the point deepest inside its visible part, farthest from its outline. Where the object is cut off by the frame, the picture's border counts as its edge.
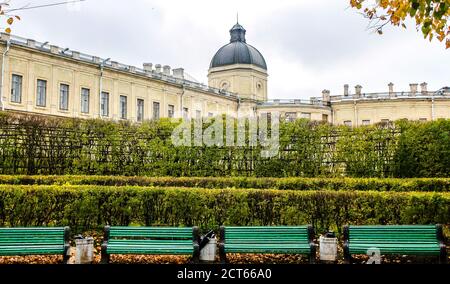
(394, 239)
(148, 240)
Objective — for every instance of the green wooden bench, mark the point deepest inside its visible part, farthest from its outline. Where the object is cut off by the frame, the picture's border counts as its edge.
(267, 240)
(35, 241)
(419, 240)
(150, 240)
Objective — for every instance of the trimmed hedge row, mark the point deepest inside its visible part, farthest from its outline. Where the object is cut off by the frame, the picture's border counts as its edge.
(375, 184)
(91, 207)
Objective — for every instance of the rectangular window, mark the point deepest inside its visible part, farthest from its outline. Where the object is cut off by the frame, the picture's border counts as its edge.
(198, 114)
(291, 116)
(104, 104)
(306, 115)
(366, 122)
(85, 100)
(348, 123)
(385, 120)
(41, 95)
(325, 117)
(267, 116)
(155, 110)
(64, 97)
(210, 114)
(171, 111)
(185, 113)
(423, 119)
(16, 89)
(140, 110)
(123, 107)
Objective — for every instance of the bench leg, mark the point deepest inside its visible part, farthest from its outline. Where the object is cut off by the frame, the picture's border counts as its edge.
(443, 254)
(347, 255)
(105, 256)
(196, 254)
(222, 253)
(66, 255)
(312, 255)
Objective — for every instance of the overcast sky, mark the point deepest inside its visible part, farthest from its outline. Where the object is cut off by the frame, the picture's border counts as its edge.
(308, 45)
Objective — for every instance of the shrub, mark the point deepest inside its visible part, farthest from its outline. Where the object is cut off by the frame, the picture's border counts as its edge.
(361, 184)
(91, 207)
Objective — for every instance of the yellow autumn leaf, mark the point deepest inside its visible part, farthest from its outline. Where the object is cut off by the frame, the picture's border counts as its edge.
(10, 21)
(8, 30)
(18, 18)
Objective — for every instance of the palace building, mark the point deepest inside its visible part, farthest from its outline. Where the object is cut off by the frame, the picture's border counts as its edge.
(45, 79)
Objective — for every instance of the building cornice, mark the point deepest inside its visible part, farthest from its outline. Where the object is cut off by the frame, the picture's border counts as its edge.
(94, 61)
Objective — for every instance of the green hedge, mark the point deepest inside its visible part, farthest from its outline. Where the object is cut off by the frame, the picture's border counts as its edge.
(45, 145)
(363, 184)
(91, 207)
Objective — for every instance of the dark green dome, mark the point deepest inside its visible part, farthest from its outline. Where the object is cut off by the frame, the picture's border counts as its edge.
(238, 51)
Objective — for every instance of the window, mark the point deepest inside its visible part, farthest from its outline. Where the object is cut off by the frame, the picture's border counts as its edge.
(385, 120)
(140, 110)
(210, 114)
(171, 111)
(291, 116)
(306, 115)
(64, 97)
(104, 104)
(348, 123)
(267, 116)
(225, 86)
(85, 100)
(155, 110)
(198, 114)
(185, 113)
(41, 93)
(422, 119)
(123, 107)
(325, 117)
(366, 122)
(16, 89)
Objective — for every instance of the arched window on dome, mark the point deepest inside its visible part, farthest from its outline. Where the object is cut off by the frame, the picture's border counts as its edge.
(259, 86)
(225, 86)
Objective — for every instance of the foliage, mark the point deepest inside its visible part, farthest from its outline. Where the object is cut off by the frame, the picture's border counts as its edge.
(34, 145)
(91, 207)
(431, 16)
(349, 184)
(10, 18)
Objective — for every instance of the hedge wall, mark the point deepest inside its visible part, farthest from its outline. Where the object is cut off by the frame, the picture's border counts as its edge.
(362, 184)
(55, 146)
(91, 207)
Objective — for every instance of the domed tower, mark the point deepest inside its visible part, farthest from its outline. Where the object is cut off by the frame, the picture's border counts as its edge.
(239, 68)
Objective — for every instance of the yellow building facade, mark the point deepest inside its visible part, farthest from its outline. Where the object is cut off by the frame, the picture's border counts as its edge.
(45, 79)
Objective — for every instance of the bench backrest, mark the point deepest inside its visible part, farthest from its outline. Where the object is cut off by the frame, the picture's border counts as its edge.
(264, 235)
(396, 233)
(34, 236)
(160, 233)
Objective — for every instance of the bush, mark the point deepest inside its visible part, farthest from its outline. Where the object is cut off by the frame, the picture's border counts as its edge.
(43, 145)
(91, 207)
(362, 184)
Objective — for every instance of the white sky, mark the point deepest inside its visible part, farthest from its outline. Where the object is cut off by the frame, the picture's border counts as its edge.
(308, 45)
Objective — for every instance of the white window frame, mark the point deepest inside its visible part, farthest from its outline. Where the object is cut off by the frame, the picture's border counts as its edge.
(156, 115)
(104, 108)
(41, 93)
(123, 106)
(16, 88)
(139, 111)
(64, 105)
(85, 92)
